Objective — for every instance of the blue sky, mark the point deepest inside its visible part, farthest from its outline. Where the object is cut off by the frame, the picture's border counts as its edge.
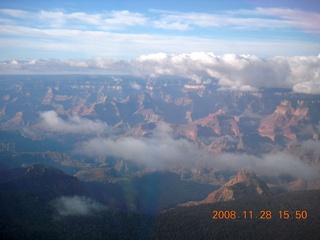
(128, 29)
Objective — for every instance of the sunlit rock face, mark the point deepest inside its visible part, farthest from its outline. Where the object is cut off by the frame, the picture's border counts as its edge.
(243, 184)
(284, 119)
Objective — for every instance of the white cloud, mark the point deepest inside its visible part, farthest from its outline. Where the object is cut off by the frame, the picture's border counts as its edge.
(102, 43)
(104, 33)
(79, 20)
(124, 18)
(162, 151)
(77, 206)
(60, 18)
(258, 18)
(51, 122)
(159, 151)
(16, 13)
(187, 20)
(232, 71)
(307, 21)
(238, 72)
(268, 164)
(135, 86)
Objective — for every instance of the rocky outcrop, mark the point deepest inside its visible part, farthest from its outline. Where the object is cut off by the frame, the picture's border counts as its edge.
(14, 123)
(149, 115)
(220, 125)
(244, 184)
(218, 132)
(282, 120)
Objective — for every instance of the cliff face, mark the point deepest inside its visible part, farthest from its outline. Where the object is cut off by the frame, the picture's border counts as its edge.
(283, 120)
(219, 130)
(220, 123)
(14, 123)
(243, 184)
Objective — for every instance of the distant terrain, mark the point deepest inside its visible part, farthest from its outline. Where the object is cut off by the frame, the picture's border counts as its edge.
(152, 157)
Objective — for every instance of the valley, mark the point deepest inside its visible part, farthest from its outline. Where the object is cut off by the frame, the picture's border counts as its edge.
(149, 149)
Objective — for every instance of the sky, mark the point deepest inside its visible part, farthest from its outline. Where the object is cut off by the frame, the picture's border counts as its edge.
(128, 29)
(245, 45)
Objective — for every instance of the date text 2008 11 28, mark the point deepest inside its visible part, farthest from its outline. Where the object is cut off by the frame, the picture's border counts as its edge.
(262, 214)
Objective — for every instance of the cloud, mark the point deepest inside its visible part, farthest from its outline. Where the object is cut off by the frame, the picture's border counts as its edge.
(16, 13)
(183, 21)
(162, 151)
(231, 71)
(306, 21)
(105, 33)
(124, 45)
(311, 145)
(77, 206)
(78, 20)
(124, 18)
(135, 86)
(236, 72)
(159, 151)
(259, 18)
(51, 122)
(268, 164)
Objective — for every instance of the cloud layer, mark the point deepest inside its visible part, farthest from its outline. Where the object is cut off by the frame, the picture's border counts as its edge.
(77, 206)
(124, 33)
(238, 72)
(51, 122)
(231, 71)
(162, 151)
(159, 151)
(268, 164)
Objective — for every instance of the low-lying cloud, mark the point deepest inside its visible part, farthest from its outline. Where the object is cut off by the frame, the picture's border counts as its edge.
(162, 151)
(77, 206)
(159, 151)
(51, 122)
(135, 86)
(311, 145)
(268, 164)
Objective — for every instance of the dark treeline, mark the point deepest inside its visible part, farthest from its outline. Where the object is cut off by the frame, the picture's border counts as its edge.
(25, 216)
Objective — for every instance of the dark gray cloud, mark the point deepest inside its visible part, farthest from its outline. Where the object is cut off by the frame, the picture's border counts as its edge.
(77, 206)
